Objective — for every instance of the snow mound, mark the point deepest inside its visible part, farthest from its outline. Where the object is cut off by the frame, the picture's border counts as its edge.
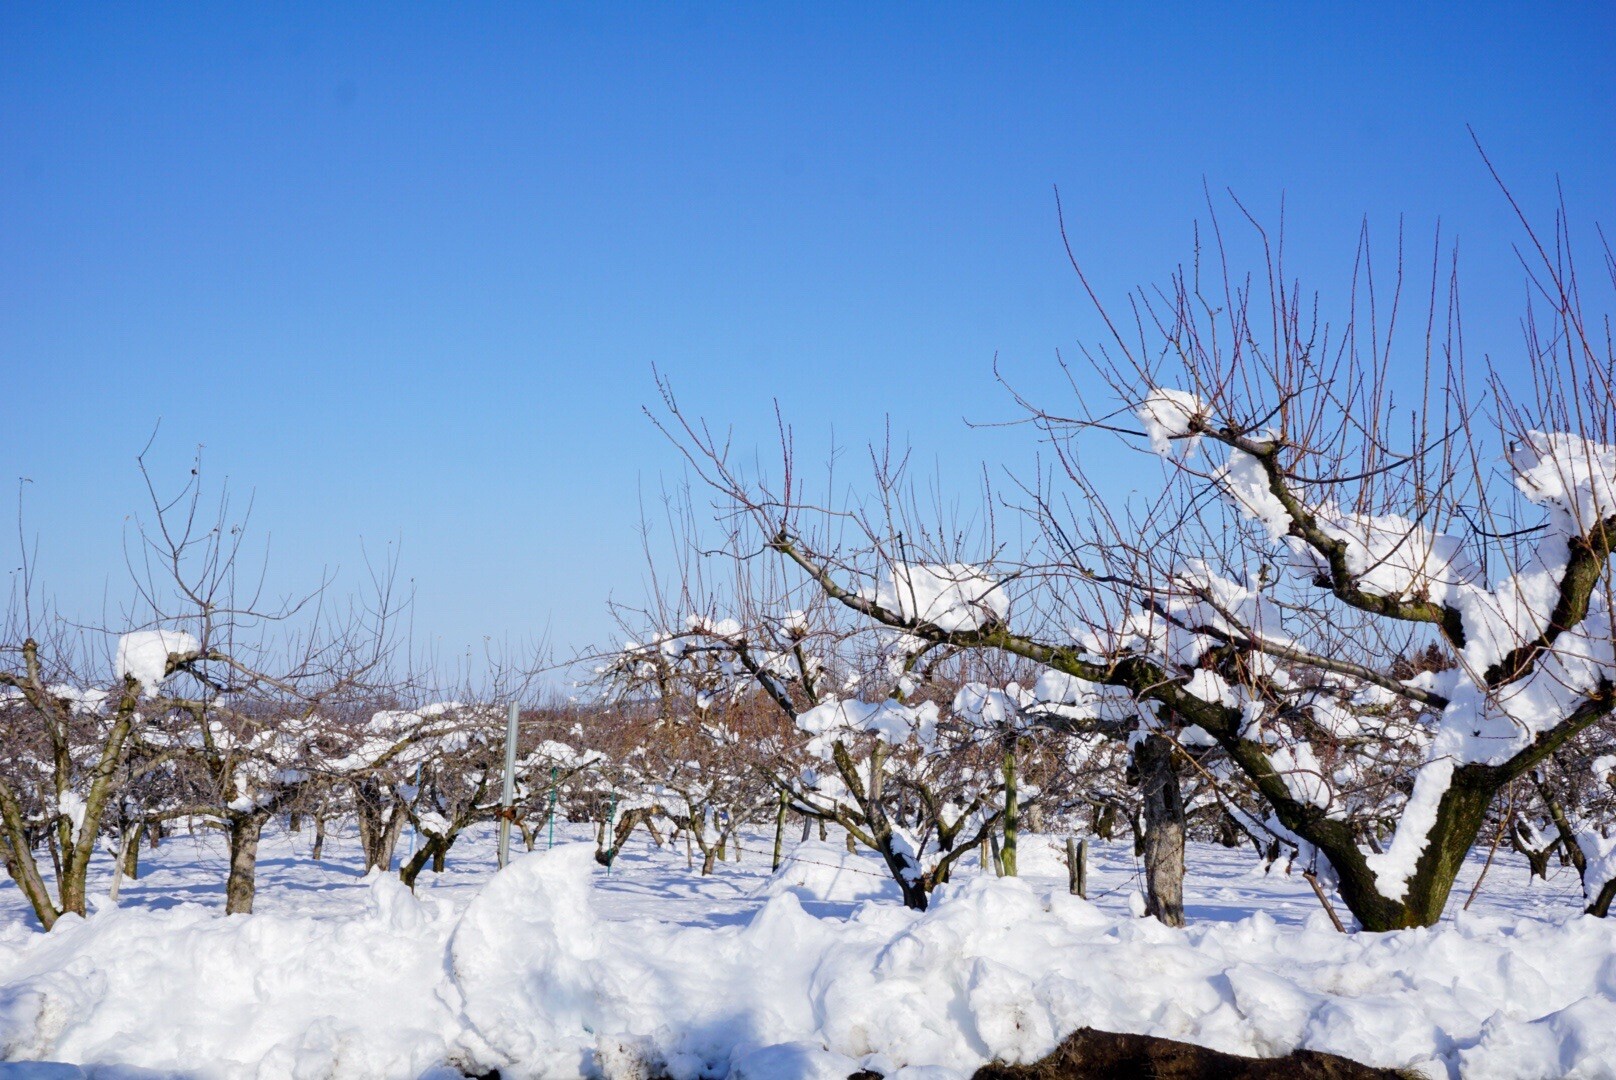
(535, 981)
(816, 870)
(259, 995)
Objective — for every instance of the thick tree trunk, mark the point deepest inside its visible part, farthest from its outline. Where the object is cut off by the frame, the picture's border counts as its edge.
(242, 882)
(1164, 829)
(381, 821)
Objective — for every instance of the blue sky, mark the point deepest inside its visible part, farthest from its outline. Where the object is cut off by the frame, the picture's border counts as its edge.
(403, 271)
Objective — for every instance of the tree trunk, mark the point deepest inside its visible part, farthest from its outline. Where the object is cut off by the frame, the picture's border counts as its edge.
(1164, 829)
(1600, 905)
(1105, 821)
(319, 837)
(417, 862)
(19, 859)
(131, 854)
(381, 821)
(241, 884)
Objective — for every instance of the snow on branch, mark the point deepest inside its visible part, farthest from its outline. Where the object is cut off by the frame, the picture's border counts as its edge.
(144, 654)
(950, 596)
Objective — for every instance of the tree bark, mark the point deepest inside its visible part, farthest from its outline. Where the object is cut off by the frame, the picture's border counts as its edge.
(417, 862)
(381, 821)
(240, 886)
(1164, 829)
(131, 854)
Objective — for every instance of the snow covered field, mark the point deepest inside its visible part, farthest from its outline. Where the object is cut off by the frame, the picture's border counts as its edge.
(555, 968)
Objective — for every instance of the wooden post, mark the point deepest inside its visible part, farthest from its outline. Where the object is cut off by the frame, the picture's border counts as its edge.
(780, 831)
(1077, 866)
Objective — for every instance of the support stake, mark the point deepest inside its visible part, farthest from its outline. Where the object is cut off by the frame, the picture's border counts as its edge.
(507, 799)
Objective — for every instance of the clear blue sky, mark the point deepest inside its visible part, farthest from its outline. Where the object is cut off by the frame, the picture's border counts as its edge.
(403, 270)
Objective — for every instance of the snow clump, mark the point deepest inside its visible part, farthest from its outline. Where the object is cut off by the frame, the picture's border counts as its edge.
(953, 597)
(144, 655)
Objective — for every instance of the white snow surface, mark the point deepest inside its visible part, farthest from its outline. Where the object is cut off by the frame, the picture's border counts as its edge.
(552, 968)
(144, 655)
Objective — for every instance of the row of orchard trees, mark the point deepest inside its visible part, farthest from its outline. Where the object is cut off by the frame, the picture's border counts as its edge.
(213, 715)
(1371, 612)
(1365, 635)
(226, 712)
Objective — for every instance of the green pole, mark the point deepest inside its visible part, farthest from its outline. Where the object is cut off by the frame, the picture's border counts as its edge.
(552, 804)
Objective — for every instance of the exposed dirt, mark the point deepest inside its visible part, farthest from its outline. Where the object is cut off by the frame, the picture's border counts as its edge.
(1107, 1055)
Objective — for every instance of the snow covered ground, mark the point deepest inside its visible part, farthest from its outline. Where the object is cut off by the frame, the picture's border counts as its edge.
(555, 968)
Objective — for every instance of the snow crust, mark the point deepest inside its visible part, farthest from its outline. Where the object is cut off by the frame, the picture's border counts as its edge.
(539, 976)
(144, 655)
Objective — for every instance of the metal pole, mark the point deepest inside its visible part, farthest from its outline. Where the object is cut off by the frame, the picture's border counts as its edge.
(507, 798)
(552, 804)
(415, 833)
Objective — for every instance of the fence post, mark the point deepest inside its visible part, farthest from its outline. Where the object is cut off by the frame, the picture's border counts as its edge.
(780, 830)
(1077, 866)
(507, 798)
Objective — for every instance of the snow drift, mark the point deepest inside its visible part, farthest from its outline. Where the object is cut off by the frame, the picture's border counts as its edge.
(531, 980)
